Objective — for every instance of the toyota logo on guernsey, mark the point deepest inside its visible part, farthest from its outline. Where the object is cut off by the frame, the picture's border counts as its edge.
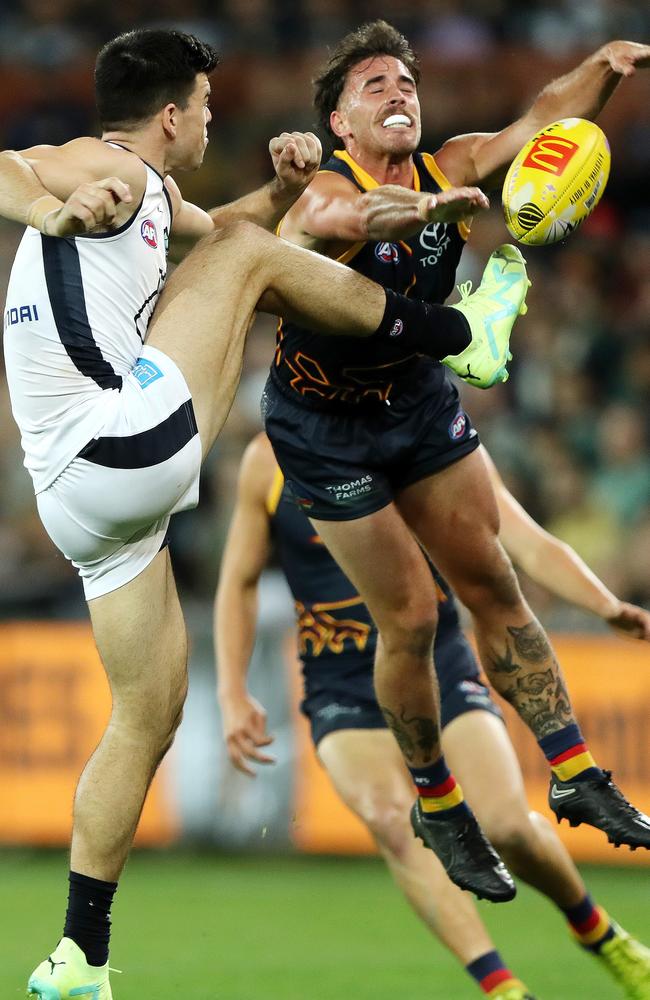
(457, 426)
(148, 232)
(387, 253)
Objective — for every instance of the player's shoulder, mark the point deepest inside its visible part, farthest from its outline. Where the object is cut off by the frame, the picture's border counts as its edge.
(87, 158)
(258, 469)
(456, 156)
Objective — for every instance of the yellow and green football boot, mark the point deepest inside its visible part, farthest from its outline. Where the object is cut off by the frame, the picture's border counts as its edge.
(65, 975)
(628, 961)
(491, 312)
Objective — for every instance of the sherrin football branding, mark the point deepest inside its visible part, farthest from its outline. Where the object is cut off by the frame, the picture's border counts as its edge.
(556, 181)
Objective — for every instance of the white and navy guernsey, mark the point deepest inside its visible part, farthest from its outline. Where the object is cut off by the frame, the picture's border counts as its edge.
(75, 320)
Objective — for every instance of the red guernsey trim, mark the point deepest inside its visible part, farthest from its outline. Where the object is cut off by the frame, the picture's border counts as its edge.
(495, 979)
(437, 791)
(568, 754)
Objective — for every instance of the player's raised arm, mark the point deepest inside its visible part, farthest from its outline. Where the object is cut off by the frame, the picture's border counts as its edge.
(333, 209)
(557, 567)
(66, 190)
(235, 609)
(296, 158)
(483, 159)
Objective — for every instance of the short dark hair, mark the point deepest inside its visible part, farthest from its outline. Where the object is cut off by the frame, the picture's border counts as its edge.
(139, 72)
(376, 38)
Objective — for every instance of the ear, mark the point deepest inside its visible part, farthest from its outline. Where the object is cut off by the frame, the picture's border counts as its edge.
(339, 125)
(169, 120)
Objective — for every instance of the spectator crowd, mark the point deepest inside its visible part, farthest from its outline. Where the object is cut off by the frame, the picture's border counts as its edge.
(569, 431)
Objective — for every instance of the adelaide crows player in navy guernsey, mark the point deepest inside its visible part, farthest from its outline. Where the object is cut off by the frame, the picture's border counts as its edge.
(336, 644)
(381, 456)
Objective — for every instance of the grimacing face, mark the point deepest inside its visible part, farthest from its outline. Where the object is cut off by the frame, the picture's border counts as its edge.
(378, 111)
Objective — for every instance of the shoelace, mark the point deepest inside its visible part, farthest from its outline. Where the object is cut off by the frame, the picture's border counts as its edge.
(465, 289)
(606, 781)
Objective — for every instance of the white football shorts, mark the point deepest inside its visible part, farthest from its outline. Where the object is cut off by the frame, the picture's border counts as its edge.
(109, 510)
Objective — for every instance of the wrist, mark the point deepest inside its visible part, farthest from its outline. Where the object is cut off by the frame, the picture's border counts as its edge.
(40, 211)
(231, 692)
(426, 204)
(611, 608)
(282, 194)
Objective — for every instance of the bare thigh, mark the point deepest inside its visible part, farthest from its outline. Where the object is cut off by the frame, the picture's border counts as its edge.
(368, 773)
(381, 557)
(202, 320)
(454, 514)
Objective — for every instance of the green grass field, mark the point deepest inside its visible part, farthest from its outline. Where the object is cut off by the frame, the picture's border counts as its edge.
(206, 927)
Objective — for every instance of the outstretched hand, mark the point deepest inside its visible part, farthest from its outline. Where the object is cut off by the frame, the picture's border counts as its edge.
(626, 57)
(296, 158)
(91, 206)
(632, 621)
(452, 205)
(244, 729)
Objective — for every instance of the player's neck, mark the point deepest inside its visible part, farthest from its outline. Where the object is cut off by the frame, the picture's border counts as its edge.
(140, 143)
(383, 167)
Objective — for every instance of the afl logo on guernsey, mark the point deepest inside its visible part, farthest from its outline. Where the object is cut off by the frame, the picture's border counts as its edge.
(457, 426)
(149, 235)
(387, 253)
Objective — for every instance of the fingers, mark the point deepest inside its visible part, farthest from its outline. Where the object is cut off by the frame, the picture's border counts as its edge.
(472, 195)
(301, 149)
(120, 190)
(245, 743)
(94, 205)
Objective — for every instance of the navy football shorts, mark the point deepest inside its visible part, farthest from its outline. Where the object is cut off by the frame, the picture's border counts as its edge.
(329, 712)
(347, 463)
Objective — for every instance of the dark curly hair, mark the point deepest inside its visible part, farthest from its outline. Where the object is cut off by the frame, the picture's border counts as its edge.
(138, 73)
(376, 38)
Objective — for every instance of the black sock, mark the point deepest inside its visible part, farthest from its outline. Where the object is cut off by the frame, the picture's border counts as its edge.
(88, 920)
(428, 328)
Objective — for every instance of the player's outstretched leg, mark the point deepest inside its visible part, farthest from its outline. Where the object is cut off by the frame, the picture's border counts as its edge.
(368, 773)
(383, 560)
(65, 974)
(454, 515)
(490, 312)
(479, 749)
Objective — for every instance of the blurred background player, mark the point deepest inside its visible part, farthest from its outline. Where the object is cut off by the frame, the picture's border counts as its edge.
(116, 431)
(377, 450)
(337, 641)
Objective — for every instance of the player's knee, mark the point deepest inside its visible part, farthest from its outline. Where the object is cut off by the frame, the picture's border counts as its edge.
(491, 583)
(410, 631)
(387, 819)
(511, 834)
(239, 233)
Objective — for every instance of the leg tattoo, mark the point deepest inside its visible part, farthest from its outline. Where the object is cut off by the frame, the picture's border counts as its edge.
(418, 737)
(528, 676)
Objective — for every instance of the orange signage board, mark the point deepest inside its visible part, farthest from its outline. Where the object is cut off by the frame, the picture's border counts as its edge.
(54, 704)
(609, 681)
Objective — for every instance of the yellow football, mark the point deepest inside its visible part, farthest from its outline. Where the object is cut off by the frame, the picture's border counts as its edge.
(556, 181)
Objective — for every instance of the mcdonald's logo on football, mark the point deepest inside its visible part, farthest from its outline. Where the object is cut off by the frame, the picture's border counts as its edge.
(552, 154)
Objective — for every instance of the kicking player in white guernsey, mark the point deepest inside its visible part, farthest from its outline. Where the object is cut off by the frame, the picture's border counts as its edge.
(120, 391)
